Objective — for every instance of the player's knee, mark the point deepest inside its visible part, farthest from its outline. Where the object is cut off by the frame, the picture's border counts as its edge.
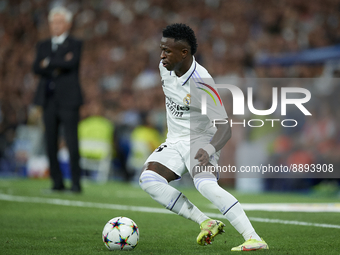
(203, 179)
(150, 178)
(142, 180)
(208, 169)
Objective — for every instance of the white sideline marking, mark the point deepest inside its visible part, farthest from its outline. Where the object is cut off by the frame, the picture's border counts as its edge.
(65, 202)
(291, 207)
(55, 201)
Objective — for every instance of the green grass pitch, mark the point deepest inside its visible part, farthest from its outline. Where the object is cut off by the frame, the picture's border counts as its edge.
(43, 228)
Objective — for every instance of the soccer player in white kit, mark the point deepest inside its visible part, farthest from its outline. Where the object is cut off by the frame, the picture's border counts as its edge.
(192, 143)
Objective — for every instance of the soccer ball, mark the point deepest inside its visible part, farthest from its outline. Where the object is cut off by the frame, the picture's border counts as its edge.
(120, 233)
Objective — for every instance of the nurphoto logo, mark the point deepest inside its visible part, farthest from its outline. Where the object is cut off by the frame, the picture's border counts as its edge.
(239, 104)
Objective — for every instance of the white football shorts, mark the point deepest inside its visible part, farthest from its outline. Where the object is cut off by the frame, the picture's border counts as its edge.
(179, 157)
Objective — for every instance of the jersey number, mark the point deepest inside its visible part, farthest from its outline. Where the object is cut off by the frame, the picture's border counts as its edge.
(160, 148)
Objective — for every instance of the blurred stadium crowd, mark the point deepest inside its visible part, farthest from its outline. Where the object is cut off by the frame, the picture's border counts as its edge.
(119, 68)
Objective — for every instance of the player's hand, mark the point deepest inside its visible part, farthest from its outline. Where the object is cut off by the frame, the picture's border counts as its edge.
(203, 157)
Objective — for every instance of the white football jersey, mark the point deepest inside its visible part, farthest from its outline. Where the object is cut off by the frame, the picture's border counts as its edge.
(183, 97)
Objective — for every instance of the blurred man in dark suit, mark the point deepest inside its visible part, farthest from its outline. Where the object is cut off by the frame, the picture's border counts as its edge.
(59, 93)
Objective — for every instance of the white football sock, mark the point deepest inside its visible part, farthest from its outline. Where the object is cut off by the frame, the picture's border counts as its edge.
(242, 224)
(228, 205)
(159, 189)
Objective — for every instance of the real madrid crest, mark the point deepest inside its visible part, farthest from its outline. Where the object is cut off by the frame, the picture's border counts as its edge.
(187, 99)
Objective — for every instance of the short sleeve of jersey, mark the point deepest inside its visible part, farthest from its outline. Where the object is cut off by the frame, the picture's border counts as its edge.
(215, 107)
(205, 88)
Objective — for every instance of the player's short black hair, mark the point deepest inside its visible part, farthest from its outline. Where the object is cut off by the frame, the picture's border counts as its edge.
(179, 31)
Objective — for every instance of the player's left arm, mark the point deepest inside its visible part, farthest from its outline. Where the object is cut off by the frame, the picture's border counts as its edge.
(218, 141)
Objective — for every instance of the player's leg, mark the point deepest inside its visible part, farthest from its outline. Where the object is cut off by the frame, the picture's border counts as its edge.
(154, 180)
(206, 184)
(205, 181)
(165, 164)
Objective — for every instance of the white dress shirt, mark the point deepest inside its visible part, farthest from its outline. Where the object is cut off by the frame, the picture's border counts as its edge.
(57, 40)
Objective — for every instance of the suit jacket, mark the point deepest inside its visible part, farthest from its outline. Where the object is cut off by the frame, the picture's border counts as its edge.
(61, 77)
